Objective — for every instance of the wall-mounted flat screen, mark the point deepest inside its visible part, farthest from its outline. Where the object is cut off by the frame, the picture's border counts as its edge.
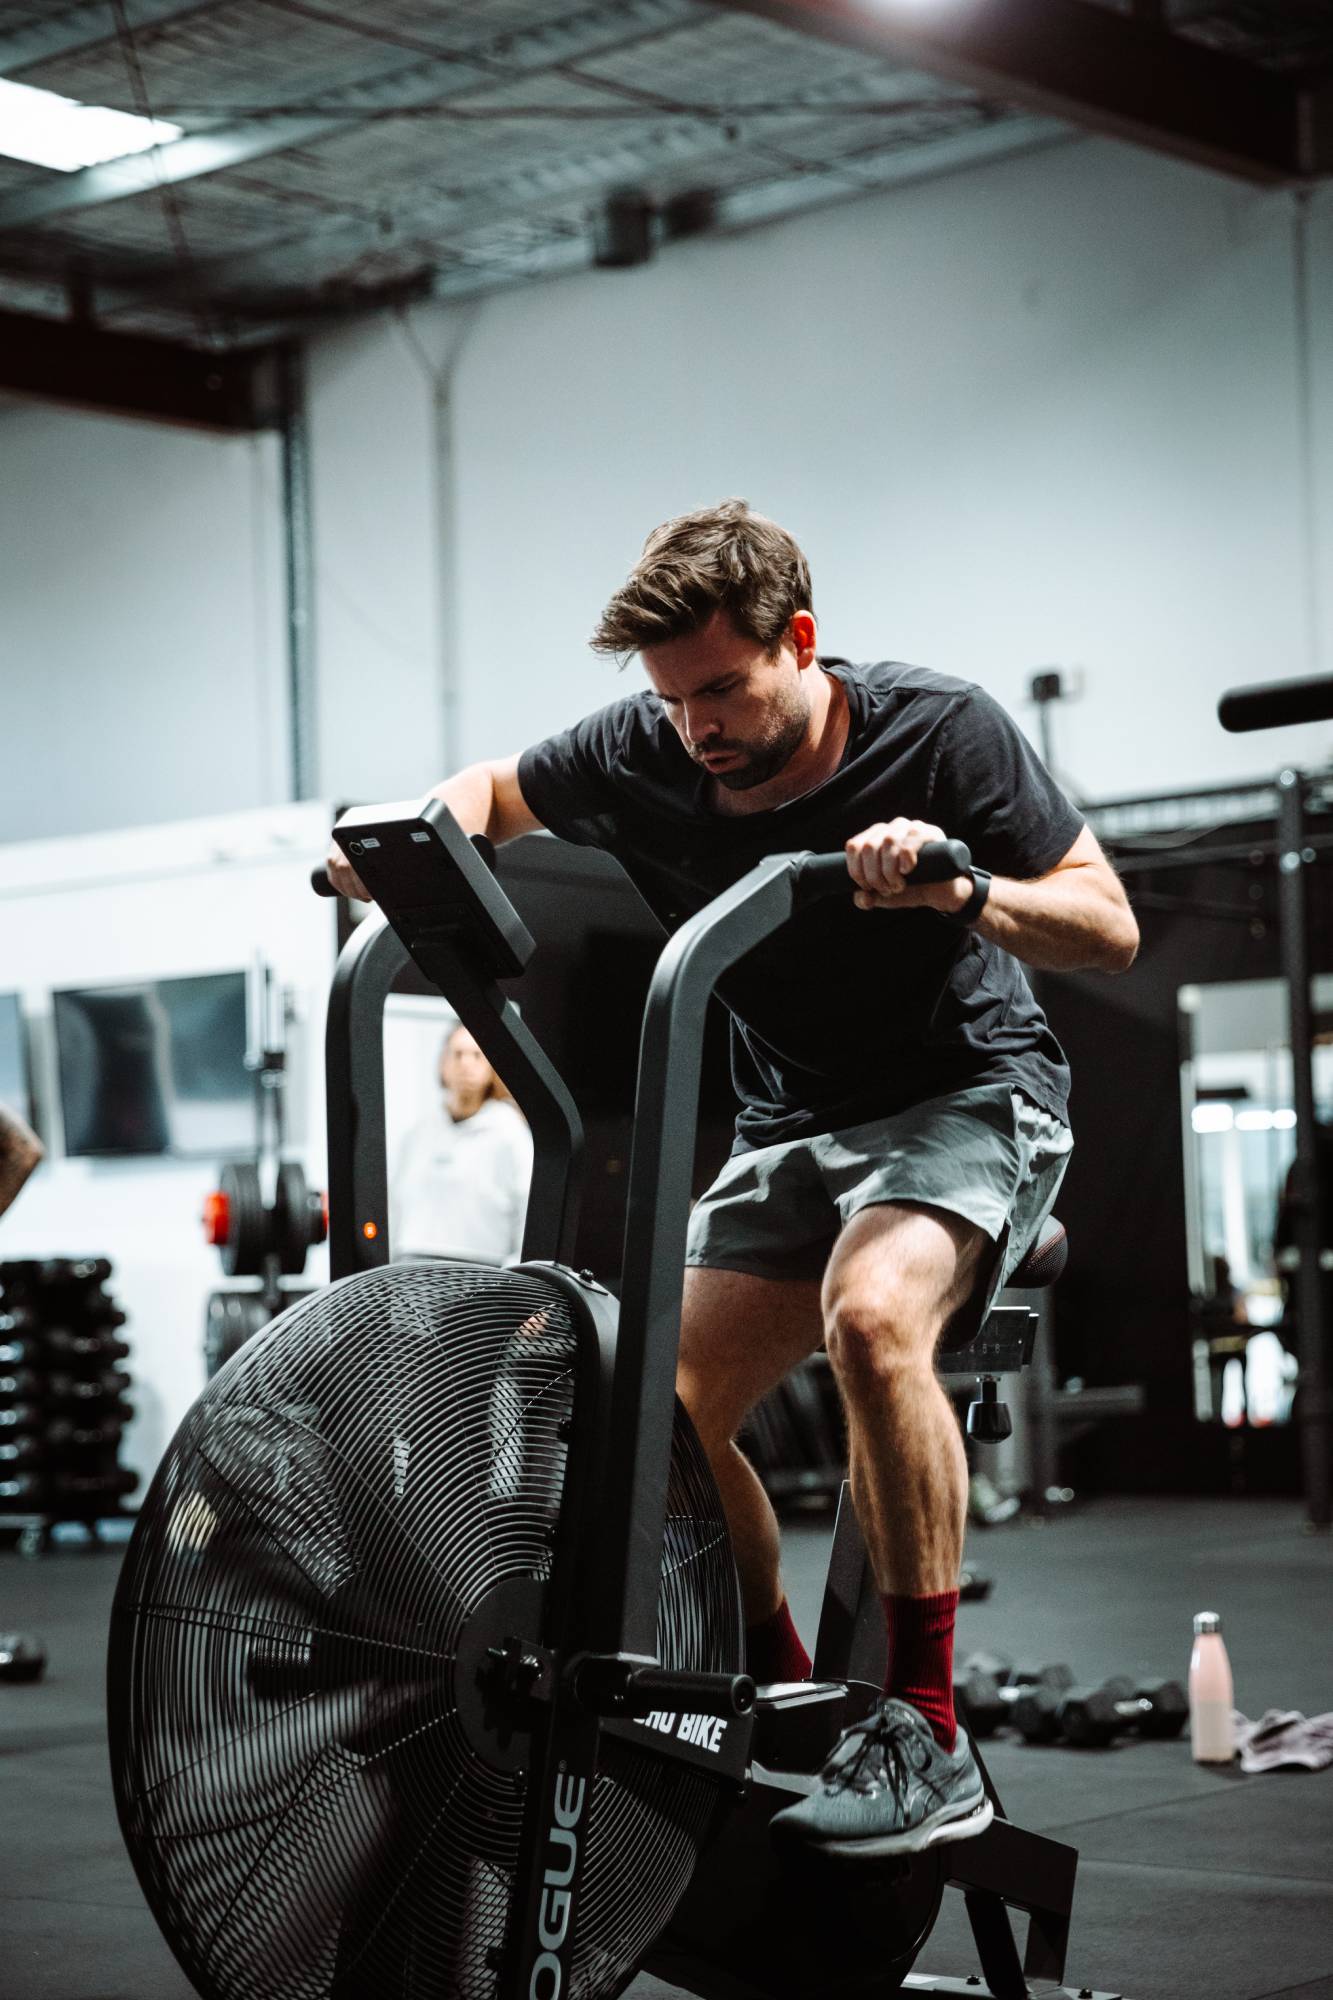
(14, 1092)
(156, 1068)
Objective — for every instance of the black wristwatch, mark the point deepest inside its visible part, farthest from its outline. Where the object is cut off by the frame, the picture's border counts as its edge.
(975, 903)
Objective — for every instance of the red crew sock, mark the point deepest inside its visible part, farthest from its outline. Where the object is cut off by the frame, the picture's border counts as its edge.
(773, 1649)
(920, 1669)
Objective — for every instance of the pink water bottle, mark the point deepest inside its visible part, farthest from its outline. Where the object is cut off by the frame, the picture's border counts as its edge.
(1212, 1731)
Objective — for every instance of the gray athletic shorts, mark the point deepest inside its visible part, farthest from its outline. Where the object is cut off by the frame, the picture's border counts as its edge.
(988, 1154)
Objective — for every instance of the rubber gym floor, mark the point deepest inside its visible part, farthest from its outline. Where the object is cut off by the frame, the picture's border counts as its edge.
(1193, 1884)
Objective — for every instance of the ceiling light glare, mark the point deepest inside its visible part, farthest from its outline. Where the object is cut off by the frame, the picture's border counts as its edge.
(1284, 1121)
(1254, 1121)
(51, 131)
(1212, 1118)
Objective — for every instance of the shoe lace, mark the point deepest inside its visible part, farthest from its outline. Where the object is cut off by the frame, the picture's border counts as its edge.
(887, 1756)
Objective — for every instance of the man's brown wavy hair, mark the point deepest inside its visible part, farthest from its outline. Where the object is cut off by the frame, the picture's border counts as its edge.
(722, 558)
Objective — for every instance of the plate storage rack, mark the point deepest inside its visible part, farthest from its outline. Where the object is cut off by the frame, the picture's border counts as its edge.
(63, 1399)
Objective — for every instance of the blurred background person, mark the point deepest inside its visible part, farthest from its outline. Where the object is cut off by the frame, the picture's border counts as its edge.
(20, 1153)
(460, 1183)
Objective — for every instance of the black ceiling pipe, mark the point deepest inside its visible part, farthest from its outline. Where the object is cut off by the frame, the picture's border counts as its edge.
(623, 232)
(692, 213)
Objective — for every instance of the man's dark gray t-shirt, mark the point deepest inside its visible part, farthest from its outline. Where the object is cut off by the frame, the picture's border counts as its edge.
(846, 1015)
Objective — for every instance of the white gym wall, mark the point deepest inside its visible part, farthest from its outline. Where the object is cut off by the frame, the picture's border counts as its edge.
(142, 623)
(379, 620)
(1046, 412)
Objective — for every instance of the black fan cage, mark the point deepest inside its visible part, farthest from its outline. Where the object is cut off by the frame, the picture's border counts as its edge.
(308, 1814)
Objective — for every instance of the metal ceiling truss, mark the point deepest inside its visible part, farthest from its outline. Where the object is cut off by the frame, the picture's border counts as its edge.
(72, 28)
(345, 225)
(1120, 74)
(686, 145)
(590, 31)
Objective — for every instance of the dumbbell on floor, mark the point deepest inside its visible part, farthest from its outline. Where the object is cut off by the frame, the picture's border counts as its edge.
(22, 1658)
(1039, 1714)
(990, 1688)
(1094, 1718)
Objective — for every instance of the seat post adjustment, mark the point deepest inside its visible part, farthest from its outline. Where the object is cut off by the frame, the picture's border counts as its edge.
(988, 1419)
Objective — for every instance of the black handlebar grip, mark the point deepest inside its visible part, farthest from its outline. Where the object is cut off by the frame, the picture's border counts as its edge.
(822, 875)
(938, 861)
(1273, 704)
(649, 1688)
(942, 861)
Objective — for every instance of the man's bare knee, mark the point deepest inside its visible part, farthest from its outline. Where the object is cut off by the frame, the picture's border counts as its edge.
(872, 1337)
(896, 1274)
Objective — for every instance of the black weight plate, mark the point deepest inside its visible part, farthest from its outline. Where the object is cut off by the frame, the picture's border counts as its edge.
(243, 1252)
(291, 1219)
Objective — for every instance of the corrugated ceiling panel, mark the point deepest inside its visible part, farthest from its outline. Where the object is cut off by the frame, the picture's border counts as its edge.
(16, 15)
(16, 174)
(728, 57)
(507, 179)
(442, 24)
(458, 147)
(239, 52)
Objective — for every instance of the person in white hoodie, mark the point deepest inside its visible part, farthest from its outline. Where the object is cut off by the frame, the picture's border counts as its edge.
(20, 1154)
(460, 1184)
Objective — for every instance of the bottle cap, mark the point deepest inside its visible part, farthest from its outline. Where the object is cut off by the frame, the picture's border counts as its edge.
(1206, 1621)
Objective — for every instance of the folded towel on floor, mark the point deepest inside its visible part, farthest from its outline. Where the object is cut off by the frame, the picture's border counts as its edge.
(1284, 1736)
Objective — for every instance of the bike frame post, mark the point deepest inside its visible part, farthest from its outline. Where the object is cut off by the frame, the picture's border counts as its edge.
(1309, 1201)
(367, 966)
(666, 1119)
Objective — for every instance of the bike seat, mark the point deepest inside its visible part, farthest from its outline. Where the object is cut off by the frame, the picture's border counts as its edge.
(1044, 1260)
(1041, 1266)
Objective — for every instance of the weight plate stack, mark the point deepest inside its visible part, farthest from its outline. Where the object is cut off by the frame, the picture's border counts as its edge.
(22, 1456)
(63, 1416)
(313, 1796)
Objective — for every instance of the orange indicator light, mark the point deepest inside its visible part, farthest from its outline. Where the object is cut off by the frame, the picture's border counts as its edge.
(370, 1230)
(217, 1219)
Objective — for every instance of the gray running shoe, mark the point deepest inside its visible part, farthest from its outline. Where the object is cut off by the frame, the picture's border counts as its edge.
(888, 1788)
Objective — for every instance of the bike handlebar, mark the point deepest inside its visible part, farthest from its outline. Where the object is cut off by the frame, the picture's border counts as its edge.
(820, 874)
(826, 874)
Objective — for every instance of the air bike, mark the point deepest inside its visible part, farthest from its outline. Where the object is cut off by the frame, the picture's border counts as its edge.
(426, 1668)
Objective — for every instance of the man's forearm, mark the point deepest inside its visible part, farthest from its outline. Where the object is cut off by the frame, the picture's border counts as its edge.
(487, 798)
(483, 798)
(470, 797)
(1071, 921)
